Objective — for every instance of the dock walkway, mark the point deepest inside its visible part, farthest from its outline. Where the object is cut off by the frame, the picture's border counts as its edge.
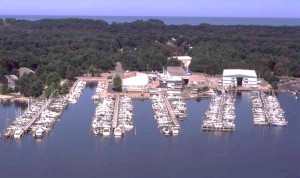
(116, 111)
(26, 127)
(170, 110)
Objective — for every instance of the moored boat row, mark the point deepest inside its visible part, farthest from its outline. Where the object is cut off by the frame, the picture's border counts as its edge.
(103, 117)
(100, 88)
(178, 105)
(163, 116)
(266, 110)
(221, 114)
(76, 91)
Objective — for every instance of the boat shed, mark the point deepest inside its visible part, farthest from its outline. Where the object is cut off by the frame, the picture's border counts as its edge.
(239, 77)
(177, 72)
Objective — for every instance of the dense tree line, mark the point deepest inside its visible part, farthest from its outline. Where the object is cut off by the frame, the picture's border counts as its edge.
(65, 48)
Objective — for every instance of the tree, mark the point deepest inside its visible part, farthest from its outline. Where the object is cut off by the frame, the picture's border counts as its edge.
(174, 62)
(117, 83)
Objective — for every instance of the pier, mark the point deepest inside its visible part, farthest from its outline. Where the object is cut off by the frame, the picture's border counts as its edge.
(170, 111)
(220, 115)
(266, 110)
(116, 111)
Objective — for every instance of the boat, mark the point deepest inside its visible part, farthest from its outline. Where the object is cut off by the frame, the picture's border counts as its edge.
(18, 134)
(106, 131)
(166, 130)
(39, 133)
(175, 130)
(96, 131)
(118, 132)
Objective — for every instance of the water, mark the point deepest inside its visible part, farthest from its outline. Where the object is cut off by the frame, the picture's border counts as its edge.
(72, 151)
(177, 20)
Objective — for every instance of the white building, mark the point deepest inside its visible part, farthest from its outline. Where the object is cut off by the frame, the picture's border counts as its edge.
(176, 77)
(186, 60)
(134, 81)
(239, 77)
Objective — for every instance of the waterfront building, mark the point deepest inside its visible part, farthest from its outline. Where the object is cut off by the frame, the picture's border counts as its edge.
(177, 73)
(24, 70)
(239, 77)
(11, 81)
(135, 81)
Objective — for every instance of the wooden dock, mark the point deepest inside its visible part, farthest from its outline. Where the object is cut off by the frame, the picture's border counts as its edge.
(26, 127)
(116, 111)
(170, 110)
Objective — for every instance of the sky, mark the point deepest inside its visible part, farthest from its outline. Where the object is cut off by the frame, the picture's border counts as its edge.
(193, 8)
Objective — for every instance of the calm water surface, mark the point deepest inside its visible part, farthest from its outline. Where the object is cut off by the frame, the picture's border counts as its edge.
(72, 151)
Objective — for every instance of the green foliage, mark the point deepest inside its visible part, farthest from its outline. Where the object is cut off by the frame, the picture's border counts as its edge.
(4, 89)
(50, 89)
(117, 83)
(174, 62)
(29, 85)
(69, 47)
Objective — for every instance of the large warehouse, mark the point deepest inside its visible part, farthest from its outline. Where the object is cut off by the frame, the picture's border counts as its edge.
(239, 77)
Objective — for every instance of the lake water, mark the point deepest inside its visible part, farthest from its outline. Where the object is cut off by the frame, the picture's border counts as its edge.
(70, 150)
(177, 20)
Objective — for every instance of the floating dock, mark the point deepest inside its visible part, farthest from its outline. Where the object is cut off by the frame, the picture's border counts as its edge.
(266, 110)
(220, 115)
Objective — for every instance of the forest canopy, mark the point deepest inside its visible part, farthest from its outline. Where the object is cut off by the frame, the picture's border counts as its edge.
(65, 48)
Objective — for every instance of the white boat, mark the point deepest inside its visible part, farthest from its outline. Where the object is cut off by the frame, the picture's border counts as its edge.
(96, 131)
(18, 134)
(118, 132)
(39, 133)
(166, 130)
(175, 130)
(106, 131)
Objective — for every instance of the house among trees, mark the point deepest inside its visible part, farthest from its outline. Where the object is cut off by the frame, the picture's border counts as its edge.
(11, 81)
(24, 70)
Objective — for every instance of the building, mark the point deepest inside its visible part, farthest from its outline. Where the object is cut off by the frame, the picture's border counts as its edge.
(24, 70)
(176, 73)
(186, 60)
(239, 77)
(134, 81)
(11, 81)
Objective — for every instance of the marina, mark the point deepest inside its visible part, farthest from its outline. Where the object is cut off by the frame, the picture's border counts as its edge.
(266, 110)
(221, 114)
(99, 153)
(41, 115)
(166, 119)
(113, 116)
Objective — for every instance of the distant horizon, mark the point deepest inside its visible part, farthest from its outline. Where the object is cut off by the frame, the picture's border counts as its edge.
(157, 8)
(60, 15)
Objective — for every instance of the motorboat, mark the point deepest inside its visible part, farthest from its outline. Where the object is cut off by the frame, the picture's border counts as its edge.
(39, 133)
(18, 134)
(106, 131)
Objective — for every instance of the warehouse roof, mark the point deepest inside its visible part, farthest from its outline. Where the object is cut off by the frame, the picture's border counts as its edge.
(239, 73)
(176, 71)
